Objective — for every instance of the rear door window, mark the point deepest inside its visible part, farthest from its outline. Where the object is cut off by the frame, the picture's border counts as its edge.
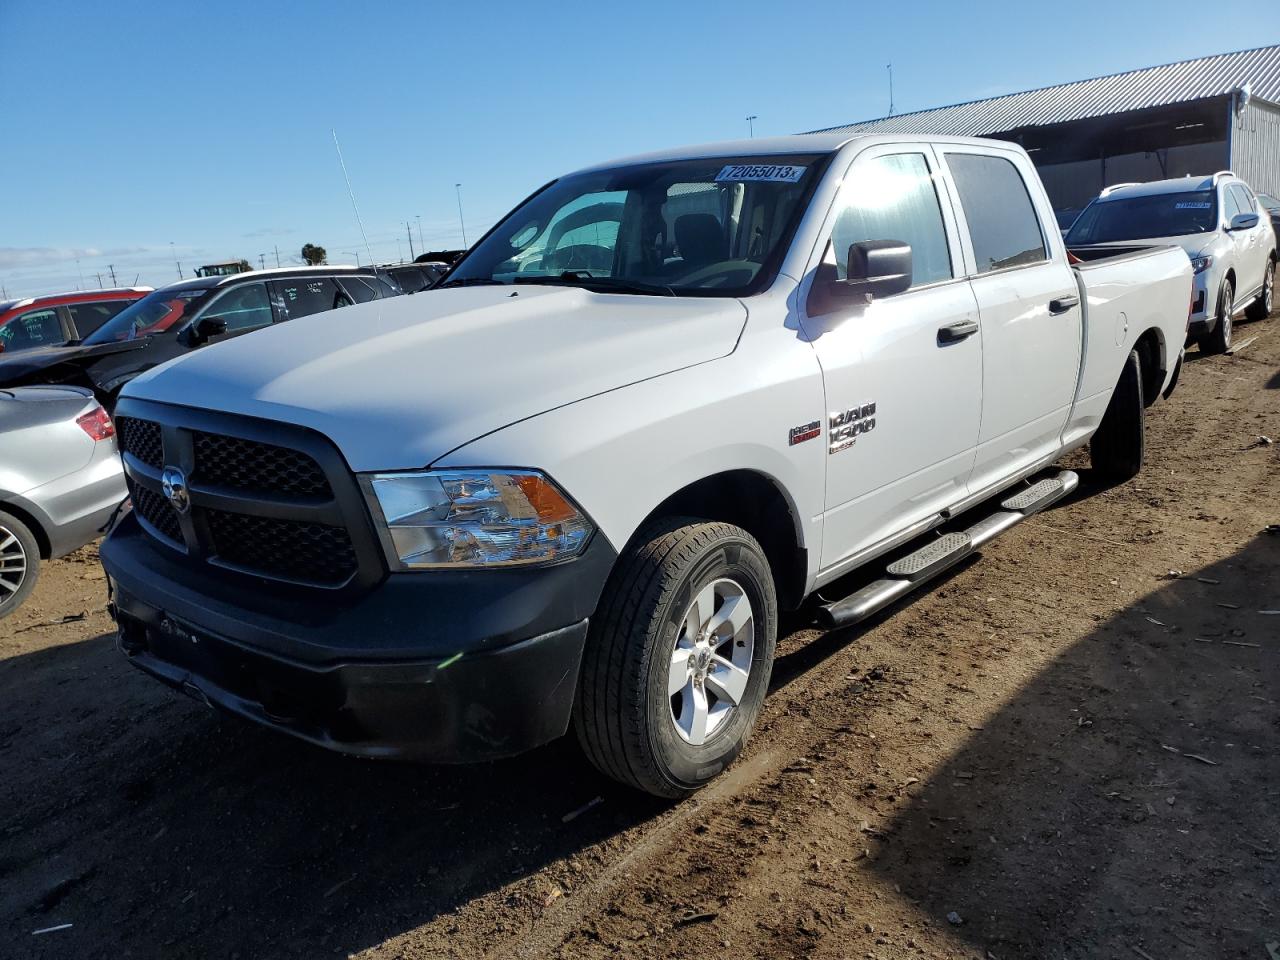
(35, 328)
(359, 289)
(1003, 225)
(88, 317)
(307, 295)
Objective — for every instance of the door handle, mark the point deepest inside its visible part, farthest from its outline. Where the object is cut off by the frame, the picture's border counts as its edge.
(1063, 304)
(955, 332)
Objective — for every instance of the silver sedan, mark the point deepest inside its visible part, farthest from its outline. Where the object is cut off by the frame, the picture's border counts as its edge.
(60, 480)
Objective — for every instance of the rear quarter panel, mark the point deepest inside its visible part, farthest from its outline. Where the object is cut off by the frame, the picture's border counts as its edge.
(1125, 297)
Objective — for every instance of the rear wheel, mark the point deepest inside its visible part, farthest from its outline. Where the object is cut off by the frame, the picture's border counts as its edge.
(19, 563)
(679, 655)
(1218, 340)
(1261, 308)
(1119, 446)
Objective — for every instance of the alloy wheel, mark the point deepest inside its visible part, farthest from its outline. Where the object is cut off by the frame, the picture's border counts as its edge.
(13, 564)
(711, 661)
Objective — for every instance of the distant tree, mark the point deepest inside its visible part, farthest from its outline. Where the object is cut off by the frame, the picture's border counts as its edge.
(313, 255)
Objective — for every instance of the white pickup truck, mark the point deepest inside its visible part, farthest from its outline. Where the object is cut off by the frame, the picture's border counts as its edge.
(661, 400)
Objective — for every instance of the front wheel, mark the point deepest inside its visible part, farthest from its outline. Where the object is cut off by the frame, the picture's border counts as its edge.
(1218, 340)
(678, 657)
(1119, 445)
(1261, 308)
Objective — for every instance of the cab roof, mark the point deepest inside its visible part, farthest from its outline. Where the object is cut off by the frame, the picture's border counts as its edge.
(821, 144)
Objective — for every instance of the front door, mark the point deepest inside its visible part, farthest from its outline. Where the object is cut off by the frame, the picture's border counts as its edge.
(903, 374)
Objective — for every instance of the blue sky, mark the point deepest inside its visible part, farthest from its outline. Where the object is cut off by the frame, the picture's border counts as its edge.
(128, 126)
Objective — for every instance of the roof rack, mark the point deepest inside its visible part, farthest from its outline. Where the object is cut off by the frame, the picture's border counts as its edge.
(1107, 191)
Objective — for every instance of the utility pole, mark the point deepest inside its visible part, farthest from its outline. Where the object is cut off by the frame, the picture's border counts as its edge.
(175, 259)
(350, 254)
(112, 268)
(412, 256)
(262, 261)
(79, 271)
(420, 242)
(99, 278)
(399, 251)
(461, 222)
(751, 125)
(889, 67)
(277, 247)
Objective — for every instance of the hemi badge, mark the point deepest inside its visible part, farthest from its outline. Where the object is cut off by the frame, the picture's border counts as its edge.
(809, 431)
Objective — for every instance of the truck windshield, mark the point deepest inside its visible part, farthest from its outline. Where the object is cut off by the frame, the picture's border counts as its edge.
(153, 314)
(1141, 218)
(710, 227)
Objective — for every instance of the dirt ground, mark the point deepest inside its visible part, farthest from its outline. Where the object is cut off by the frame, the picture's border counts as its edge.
(1065, 750)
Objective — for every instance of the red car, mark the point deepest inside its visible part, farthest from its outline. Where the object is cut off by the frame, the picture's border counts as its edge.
(58, 318)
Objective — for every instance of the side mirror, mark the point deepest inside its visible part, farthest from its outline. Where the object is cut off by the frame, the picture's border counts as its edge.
(875, 268)
(203, 330)
(1243, 221)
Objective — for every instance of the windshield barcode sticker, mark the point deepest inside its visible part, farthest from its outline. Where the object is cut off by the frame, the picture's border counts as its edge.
(767, 172)
(1192, 205)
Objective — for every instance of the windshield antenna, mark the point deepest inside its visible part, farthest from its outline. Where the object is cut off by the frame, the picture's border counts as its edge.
(352, 194)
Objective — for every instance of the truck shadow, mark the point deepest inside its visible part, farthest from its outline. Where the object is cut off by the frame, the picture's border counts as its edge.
(159, 829)
(1126, 797)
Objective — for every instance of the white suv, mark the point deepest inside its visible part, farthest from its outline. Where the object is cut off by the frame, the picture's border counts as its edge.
(1219, 223)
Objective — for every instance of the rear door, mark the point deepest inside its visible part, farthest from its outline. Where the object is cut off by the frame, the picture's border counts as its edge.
(299, 297)
(903, 401)
(1253, 245)
(1028, 305)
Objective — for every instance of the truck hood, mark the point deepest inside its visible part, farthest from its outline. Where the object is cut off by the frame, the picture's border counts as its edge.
(398, 383)
(1195, 244)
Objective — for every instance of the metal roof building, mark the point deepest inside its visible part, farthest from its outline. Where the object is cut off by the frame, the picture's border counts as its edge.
(1191, 117)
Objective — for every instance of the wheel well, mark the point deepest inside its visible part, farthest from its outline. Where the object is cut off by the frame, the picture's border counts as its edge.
(37, 531)
(1150, 347)
(753, 502)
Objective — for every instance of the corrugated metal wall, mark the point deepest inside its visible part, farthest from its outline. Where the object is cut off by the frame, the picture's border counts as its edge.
(1255, 146)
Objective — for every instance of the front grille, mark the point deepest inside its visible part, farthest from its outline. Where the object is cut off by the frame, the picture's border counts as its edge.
(142, 439)
(155, 510)
(256, 467)
(240, 485)
(313, 552)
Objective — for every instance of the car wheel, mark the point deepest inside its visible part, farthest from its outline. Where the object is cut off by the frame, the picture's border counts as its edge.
(1119, 445)
(1218, 340)
(19, 563)
(678, 657)
(1261, 308)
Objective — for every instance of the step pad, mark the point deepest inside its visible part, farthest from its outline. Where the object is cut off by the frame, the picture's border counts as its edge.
(931, 557)
(1050, 488)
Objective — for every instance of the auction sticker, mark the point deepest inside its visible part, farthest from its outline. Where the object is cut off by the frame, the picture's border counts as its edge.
(1193, 205)
(765, 172)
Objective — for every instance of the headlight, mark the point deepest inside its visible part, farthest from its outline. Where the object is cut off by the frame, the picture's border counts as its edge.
(1201, 264)
(477, 518)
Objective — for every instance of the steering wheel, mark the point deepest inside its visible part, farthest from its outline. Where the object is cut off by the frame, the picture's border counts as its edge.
(723, 271)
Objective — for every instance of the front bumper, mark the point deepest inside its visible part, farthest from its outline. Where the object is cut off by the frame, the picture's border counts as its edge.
(443, 666)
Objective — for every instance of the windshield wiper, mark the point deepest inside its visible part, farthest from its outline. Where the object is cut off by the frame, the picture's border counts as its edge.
(581, 278)
(470, 282)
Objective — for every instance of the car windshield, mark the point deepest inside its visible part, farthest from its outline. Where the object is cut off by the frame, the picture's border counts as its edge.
(155, 313)
(711, 227)
(1142, 218)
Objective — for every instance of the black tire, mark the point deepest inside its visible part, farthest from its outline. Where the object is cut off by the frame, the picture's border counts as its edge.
(19, 563)
(624, 713)
(1261, 308)
(1218, 340)
(1119, 445)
